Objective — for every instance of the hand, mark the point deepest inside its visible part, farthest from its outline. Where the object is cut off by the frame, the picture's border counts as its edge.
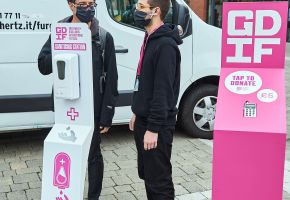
(132, 123)
(104, 130)
(150, 140)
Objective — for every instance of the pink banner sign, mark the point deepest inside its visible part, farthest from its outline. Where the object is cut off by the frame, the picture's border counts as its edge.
(254, 35)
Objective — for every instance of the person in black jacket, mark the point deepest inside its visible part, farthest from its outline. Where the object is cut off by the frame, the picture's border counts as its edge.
(104, 101)
(155, 98)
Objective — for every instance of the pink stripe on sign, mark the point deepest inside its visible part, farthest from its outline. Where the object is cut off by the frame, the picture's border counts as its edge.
(70, 46)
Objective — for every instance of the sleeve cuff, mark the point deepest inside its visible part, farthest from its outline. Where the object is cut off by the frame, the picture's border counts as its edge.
(155, 128)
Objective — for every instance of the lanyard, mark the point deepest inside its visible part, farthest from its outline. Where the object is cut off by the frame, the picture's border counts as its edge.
(140, 64)
(142, 54)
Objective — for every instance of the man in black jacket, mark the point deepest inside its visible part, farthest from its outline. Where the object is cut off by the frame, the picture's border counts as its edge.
(155, 98)
(104, 101)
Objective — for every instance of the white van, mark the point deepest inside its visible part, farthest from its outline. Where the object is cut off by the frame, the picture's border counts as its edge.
(25, 94)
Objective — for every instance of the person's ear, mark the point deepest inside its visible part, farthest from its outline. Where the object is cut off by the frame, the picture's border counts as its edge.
(71, 6)
(156, 11)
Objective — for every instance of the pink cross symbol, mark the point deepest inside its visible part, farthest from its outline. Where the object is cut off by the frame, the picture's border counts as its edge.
(72, 114)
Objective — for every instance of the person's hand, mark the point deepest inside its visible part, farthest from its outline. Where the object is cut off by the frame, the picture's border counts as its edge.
(132, 122)
(150, 140)
(104, 130)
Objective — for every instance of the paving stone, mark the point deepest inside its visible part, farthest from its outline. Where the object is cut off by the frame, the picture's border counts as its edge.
(34, 184)
(19, 195)
(108, 197)
(4, 167)
(34, 163)
(12, 159)
(110, 167)
(138, 186)
(178, 180)
(4, 188)
(206, 175)
(9, 173)
(18, 165)
(31, 158)
(6, 181)
(140, 194)
(207, 194)
(125, 151)
(108, 182)
(176, 171)
(28, 170)
(109, 156)
(127, 164)
(195, 196)
(122, 180)
(125, 195)
(207, 184)
(193, 187)
(19, 187)
(110, 174)
(123, 188)
(34, 194)
(108, 191)
(3, 196)
(190, 169)
(179, 190)
(25, 178)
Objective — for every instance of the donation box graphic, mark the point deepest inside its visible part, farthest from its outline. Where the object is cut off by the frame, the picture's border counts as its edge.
(250, 127)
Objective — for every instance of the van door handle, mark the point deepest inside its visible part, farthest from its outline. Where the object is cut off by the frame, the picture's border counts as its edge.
(121, 49)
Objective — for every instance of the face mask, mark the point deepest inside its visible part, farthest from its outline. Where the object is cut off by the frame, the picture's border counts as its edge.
(140, 18)
(85, 14)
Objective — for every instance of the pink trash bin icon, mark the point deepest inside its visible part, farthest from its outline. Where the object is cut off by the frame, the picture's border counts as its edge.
(61, 176)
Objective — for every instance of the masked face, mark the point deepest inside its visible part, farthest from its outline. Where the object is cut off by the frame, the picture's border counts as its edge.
(142, 19)
(85, 14)
(143, 14)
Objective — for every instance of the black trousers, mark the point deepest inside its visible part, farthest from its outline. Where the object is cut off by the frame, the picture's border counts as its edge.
(95, 166)
(154, 166)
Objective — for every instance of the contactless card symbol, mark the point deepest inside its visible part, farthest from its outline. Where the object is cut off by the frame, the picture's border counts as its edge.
(250, 110)
(61, 177)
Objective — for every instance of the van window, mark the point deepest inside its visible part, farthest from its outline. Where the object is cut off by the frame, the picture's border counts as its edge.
(122, 11)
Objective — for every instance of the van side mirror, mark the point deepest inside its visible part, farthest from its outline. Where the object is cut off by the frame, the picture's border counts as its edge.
(182, 19)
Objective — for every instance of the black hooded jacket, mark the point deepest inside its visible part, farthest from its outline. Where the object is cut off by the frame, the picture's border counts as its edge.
(104, 104)
(159, 81)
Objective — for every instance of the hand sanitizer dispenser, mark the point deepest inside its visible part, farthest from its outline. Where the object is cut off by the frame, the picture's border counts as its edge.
(67, 146)
(66, 79)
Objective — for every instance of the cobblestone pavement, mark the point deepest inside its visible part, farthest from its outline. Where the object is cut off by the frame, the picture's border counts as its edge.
(21, 167)
(21, 164)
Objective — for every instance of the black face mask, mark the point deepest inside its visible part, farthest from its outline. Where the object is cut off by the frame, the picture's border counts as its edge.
(140, 18)
(85, 14)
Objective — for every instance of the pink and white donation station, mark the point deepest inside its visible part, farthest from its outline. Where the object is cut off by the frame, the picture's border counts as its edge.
(250, 128)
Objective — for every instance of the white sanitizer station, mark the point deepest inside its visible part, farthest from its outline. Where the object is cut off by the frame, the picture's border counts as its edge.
(66, 148)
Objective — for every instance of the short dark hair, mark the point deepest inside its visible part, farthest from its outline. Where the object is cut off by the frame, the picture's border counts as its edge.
(164, 5)
(73, 1)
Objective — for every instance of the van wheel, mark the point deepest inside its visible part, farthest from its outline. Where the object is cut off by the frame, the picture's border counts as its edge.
(197, 113)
